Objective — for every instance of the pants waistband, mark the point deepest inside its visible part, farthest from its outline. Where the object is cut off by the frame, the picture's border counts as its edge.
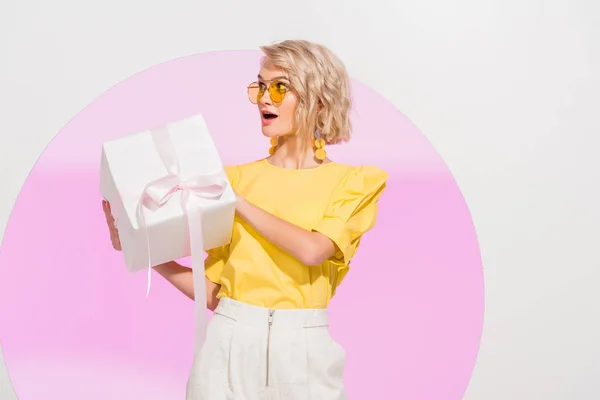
(248, 314)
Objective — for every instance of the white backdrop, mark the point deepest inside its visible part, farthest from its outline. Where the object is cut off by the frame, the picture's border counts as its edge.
(507, 91)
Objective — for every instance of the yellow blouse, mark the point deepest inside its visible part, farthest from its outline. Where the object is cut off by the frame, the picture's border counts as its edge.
(337, 200)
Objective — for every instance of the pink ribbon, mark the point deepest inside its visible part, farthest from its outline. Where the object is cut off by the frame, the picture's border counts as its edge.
(159, 192)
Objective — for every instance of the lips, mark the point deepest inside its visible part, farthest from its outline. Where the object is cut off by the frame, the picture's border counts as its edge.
(268, 117)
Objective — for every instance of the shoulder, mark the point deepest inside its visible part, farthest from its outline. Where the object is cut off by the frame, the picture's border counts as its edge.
(364, 176)
(371, 172)
(358, 188)
(363, 183)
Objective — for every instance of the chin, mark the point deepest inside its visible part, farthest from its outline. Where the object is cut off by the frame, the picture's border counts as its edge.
(270, 132)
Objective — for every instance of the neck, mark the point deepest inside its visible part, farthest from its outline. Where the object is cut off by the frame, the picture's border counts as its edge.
(294, 153)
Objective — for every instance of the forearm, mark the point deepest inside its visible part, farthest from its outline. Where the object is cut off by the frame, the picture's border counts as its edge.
(310, 248)
(183, 279)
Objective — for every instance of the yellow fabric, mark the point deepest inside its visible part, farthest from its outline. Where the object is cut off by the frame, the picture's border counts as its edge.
(337, 200)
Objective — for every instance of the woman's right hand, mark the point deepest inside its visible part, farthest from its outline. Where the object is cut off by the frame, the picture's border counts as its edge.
(110, 221)
(179, 276)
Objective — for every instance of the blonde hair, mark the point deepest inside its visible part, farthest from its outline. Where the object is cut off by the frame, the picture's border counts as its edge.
(321, 83)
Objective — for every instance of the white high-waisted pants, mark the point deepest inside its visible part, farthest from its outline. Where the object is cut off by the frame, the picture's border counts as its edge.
(253, 353)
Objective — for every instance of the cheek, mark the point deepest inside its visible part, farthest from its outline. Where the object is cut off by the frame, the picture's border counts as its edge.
(287, 110)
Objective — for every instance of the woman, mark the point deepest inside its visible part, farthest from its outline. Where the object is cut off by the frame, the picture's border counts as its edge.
(299, 220)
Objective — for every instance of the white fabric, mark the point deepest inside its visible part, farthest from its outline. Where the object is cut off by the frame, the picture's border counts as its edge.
(304, 362)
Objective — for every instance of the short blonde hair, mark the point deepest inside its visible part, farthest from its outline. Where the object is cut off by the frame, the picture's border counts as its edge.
(321, 83)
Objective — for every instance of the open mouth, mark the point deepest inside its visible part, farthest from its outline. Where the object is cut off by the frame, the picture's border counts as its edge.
(269, 116)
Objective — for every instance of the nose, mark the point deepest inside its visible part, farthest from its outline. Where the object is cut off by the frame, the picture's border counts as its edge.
(265, 98)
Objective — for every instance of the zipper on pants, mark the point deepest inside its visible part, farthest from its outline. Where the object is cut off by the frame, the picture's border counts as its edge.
(271, 312)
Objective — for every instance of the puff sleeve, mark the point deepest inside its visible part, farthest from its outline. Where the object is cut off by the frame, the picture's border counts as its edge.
(217, 257)
(352, 210)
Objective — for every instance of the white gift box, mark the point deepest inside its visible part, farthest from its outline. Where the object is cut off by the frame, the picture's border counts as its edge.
(130, 163)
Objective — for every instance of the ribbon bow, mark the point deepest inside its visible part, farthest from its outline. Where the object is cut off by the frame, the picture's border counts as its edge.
(159, 192)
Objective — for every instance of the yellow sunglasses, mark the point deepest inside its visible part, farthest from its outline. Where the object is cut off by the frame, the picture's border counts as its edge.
(277, 91)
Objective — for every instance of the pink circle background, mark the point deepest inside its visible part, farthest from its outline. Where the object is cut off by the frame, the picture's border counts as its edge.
(75, 324)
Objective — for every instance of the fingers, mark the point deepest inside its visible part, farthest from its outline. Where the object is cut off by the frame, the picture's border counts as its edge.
(116, 243)
(114, 238)
(106, 206)
(108, 213)
(106, 209)
(110, 221)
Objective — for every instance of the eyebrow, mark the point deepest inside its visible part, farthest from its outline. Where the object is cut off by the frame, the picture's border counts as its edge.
(274, 79)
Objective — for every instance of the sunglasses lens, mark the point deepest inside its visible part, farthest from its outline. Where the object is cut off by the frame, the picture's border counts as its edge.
(255, 93)
(277, 91)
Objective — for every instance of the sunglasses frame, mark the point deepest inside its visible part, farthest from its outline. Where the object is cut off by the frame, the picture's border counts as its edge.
(272, 87)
